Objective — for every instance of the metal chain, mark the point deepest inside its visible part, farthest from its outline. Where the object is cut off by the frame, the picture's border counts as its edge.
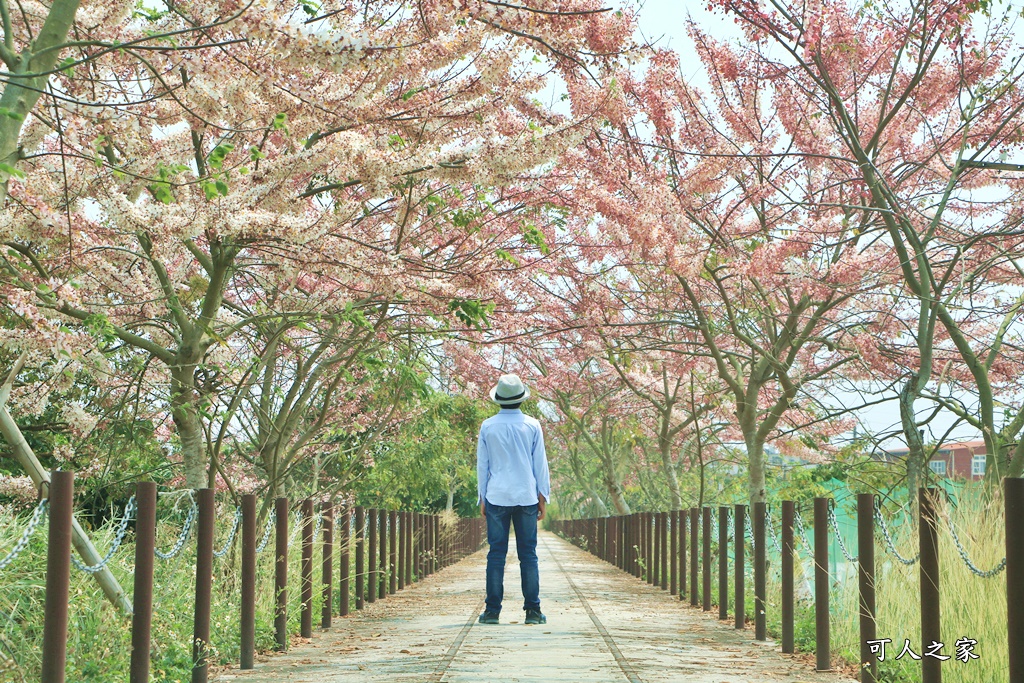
(318, 525)
(802, 537)
(186, 528)
(33, 524)
(771, 530)
(129, 510)
(967, 560)
(890, 546)
(296, 527)
(835, 528)
(802, 531)
(271, 518)
(231, 536)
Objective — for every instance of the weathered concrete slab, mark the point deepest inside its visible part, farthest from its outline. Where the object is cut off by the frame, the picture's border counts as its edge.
(427, 634)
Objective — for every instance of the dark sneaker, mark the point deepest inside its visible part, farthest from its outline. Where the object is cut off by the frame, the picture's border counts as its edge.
(533, 616)
(489, 618)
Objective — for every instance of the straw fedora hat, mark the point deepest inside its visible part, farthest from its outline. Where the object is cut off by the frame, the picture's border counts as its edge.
(509, 391)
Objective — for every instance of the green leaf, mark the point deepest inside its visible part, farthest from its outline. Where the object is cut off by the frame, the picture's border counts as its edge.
(255, 154)
(4, 111)
(222, 188)
(280, 120)
(209, 190)
(161, 192)
(471, 312)
(505, 256)
(409, 94)
(531, 235)
(11, 171)
(219, 153)
(66, 67)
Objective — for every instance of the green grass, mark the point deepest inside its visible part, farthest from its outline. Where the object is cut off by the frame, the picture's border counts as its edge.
(99, 637)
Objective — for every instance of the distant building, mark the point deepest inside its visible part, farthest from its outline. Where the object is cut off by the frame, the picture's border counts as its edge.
(964, 459)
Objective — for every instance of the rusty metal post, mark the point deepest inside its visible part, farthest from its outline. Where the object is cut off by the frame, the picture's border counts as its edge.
(654, 571)
(382, 565)
(431, 551)
(327, 566)
(663, 542)
(621, 534)
(393, 552)
(281, 574)
(58, 576)
(204, 586)
(416, 529)
(420, 545)
(634, 543)
(760, 573)
(402, 551)
(683, 516)
(705, 531)
(930, 617)
(615, 538)
(866, 576)
(673, 552)
(425, 541)
(651, 553)
(344, 561)
(360, 539)
(640, 545)
(788, 554)
(407, 523)
(1013, 488)
(142, 598)
(438, 544)
(306, 571)
(247, 617)
(723, 562)
(694, 554)
(371, 556)
(821, 582)
(739, 579)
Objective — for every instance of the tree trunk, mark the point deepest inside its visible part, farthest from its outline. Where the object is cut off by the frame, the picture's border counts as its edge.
(915, 440)
(670, 473)
(21, 94)
(185, 413)
(755, 466)
(1016, 467)
(614, 488)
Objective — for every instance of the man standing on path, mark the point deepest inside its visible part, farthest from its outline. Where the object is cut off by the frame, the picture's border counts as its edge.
(512, 476)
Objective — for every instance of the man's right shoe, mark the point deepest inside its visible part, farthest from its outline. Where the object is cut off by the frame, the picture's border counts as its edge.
(489, 618)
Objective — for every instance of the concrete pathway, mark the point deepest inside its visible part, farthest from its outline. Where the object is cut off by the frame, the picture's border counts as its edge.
(603, 626)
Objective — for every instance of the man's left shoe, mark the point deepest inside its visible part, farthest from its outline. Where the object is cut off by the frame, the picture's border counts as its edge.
(534, 616)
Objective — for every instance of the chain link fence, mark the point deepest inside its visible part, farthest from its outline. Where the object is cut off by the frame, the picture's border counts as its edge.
(37, 518)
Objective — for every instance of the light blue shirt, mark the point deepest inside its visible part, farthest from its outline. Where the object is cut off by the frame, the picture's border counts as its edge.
(511, 465)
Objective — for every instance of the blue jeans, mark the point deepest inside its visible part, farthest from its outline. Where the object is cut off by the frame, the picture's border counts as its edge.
(524, 519)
